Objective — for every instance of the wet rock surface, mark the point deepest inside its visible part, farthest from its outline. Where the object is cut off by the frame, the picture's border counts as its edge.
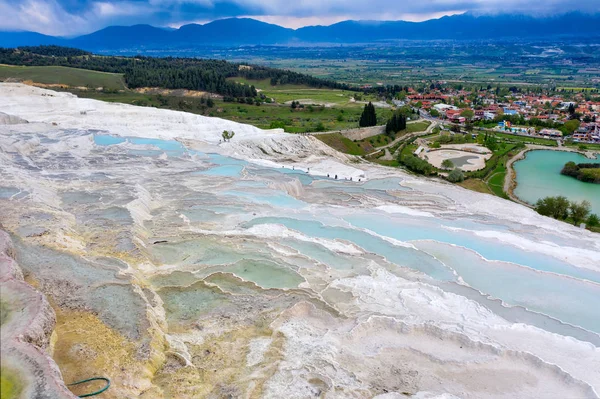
(26, 324)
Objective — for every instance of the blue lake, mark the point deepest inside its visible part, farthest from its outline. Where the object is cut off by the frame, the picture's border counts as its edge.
(538, 176)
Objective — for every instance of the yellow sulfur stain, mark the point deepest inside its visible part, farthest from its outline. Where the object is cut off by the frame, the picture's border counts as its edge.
(219, 367)
(85, 347)
(10, 384)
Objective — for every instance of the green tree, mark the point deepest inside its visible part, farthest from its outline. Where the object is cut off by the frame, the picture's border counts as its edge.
(593, 220)
(368, 117)
(579, 211)
(396, 123)
(491, 143)
(434, 112)
(556, 207)
(447, 164)
(468, 114)
(571, 126)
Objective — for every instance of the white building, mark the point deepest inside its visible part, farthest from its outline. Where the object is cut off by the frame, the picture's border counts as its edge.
(444, 107)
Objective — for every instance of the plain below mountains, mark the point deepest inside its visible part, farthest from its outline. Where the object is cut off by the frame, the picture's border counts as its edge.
(246, 31)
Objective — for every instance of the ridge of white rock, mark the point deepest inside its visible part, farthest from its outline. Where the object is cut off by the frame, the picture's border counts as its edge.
(6, 119)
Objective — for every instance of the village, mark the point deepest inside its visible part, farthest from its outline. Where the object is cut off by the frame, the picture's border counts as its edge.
(562, 115)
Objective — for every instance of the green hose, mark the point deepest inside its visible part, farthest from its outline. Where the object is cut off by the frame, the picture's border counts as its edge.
(93, 379)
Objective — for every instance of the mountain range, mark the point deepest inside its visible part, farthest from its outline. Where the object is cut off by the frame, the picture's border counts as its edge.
(246, 31)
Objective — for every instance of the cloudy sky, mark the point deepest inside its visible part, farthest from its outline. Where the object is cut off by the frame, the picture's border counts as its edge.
(71, 17)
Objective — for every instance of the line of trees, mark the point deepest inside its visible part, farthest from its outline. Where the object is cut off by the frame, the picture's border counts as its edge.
(563, 209)
(396, 123)
(54, 51)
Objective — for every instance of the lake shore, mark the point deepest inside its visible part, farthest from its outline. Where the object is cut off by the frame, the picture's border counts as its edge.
(510, 181)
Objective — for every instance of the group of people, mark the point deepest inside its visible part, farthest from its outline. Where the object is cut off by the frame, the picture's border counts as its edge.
(335, 177)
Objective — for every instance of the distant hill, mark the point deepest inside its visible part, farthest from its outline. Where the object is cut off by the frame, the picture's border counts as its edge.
(246, 31)
(16, 39)
(117, 37)
(233, 31)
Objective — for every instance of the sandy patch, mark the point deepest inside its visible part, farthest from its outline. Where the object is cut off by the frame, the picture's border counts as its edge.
(465, 160)
(176, 93)
(310, 101)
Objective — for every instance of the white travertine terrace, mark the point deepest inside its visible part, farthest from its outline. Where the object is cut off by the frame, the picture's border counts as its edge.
(213, 269)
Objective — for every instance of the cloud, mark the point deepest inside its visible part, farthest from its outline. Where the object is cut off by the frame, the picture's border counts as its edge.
(38, 15)
(69, 17)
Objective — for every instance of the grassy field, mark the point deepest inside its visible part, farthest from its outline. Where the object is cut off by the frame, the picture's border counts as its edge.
(496, 181)
(266, 116)
(74, 77)
(393, 163)
(287, 93)
(592, 147)
(420, 126)
(525, 139)
(299, 120)
(372, 143)
(341, 143)
(476, 185)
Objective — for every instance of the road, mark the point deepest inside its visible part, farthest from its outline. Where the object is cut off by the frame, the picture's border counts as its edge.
(342, 131)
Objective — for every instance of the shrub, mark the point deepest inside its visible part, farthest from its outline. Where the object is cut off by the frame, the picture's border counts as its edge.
(277, 125)
(579, 211)
(456, 176)
(416, 164)
(447, 164)
(556, 207)
(320, 127)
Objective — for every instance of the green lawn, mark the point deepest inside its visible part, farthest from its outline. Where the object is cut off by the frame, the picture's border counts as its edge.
(496, 181)
(420, 126)
(62, 75)
(525, 139)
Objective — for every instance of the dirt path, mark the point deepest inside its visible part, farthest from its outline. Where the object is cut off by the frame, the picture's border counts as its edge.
(387, 156)
(405, 137)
